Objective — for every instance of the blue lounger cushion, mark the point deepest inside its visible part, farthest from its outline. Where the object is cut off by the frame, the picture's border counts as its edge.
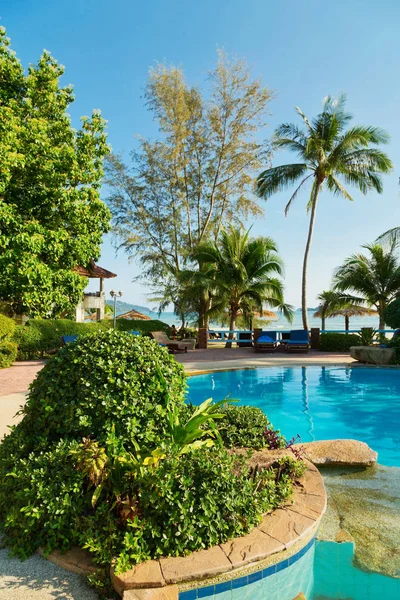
(298, 342)
(265, 339)
(133, 332)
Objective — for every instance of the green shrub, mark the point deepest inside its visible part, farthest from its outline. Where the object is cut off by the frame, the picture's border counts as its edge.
(102, 460)
(42, 336)
(8, 349)
(395, 343)
(338, 342)
(108, 379)
(8, 354)
(145, 327)
(392, 314)
(244, 427)
(7, 328)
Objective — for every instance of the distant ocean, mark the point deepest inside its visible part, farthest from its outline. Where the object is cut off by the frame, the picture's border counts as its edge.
(334, 323)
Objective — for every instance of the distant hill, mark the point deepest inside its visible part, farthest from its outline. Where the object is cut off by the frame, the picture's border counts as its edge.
(123, 307)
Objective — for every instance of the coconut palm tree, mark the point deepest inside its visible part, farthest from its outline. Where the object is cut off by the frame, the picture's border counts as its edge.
(243, 271)
(330, 156)
(334, 304)
(374, 276)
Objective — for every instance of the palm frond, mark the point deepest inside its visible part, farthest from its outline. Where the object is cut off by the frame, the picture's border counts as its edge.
(278, 178)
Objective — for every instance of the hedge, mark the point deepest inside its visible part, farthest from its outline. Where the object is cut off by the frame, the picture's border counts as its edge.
(392, 314)
(43, 336)
(8, 348)
(338, 342)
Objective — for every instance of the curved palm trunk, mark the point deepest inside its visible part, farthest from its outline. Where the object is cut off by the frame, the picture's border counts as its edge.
(346, 323)
(232, 326)
(322, 323)
(381, 309)
(304, 312)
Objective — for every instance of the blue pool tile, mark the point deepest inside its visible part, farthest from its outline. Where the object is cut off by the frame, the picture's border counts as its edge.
(255, 576)
(188, 595)
(239, 582)
(282, 565)
(269, 571)
(226, 586)
(206, 592)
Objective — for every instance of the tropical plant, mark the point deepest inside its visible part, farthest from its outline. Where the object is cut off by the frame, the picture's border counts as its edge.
(51, 215)
(335, 304)
(244, 270)
(329, 155)
(374, 276)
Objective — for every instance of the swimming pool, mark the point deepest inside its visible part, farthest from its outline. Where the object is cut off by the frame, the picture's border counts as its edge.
(317, 402)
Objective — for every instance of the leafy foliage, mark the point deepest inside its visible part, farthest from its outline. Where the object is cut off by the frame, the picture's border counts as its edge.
(375, 276)
(51, 215)
(392, 314)
(107, 458)
(8, 348)
(331, 157)
(244, 427)
(338, 342)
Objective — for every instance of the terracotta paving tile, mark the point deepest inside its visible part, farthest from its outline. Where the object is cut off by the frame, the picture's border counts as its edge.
(252, 547)
(286, 526)
(197, 565)
(147, 574)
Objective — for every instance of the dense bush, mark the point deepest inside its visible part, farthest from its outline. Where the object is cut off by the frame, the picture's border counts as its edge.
(392, 314)
(395, 343)
(145, 327)
(244, 427)
(103, 460)
(43, 336)
(338, 342)
(8, 348)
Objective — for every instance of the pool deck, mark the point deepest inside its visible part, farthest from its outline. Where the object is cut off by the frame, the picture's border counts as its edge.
(217, 359)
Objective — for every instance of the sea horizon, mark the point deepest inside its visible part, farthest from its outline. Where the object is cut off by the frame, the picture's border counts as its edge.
(334, 323)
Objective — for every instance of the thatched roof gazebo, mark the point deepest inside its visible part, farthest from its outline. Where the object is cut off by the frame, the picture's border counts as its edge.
(134, 315)
(347, 312)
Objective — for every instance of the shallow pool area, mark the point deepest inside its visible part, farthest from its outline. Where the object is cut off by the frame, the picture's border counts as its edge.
(328, 403)
(318, 403)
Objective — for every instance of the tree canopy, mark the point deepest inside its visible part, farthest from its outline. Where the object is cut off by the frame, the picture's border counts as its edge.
(51, 215)
(180, 189)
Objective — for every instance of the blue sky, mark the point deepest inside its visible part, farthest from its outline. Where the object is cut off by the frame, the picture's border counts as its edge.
(302, 50)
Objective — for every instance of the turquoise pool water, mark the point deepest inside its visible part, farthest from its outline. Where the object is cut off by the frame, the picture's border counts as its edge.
(317, 402)
(324, 572)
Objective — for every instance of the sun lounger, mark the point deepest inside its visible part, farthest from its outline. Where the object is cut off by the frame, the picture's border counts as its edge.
(299, 341)
(244, 339)
(266, 342)
(67, 339)
(172, 345)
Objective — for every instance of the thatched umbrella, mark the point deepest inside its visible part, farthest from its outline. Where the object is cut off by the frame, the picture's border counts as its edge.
(350, 311)
(134, 314)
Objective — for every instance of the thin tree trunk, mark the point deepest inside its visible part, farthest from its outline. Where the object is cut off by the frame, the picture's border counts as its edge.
(232, 326)
(183, 320)
(304, 312)
(346, 322)
(322, 323)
